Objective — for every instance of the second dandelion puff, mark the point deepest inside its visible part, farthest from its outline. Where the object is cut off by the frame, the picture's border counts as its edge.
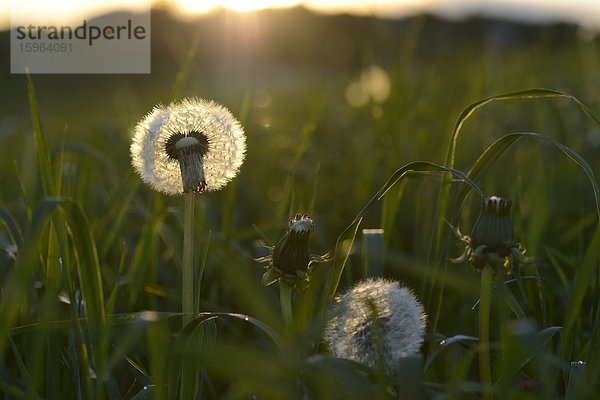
(376, 323)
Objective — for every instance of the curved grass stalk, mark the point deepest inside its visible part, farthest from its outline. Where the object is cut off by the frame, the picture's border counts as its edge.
(340, 258)
(522, 94)
(149, 316)
(500, 146)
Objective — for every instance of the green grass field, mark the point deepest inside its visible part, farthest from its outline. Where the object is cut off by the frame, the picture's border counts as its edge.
(91, 257)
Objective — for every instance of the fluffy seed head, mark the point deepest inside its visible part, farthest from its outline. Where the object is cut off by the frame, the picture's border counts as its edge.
(377, 318)
(193, 140)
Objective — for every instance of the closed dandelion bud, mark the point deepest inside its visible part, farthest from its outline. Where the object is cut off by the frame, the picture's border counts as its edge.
(492, 241)
(376, 323)
(290, 259)
(192, 146)
(493, 228)
(291, 252)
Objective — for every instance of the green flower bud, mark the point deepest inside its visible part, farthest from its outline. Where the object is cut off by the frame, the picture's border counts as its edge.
(493, 228)
(290, 259)
(291, 252)
(492, 241)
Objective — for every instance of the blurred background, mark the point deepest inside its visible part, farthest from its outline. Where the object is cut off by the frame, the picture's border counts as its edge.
(353, 89)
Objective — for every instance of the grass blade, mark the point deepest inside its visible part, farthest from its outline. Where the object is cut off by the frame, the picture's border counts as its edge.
(40, 144)
(583, 278)
(266, 329)
(471, 109)
(25, 375)
(146, 392)
(444, 344)
(499, 147)
(88, 264)
(14, 232)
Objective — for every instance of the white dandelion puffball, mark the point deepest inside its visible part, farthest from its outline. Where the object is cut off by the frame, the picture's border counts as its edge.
(377, 317)
(193, 145)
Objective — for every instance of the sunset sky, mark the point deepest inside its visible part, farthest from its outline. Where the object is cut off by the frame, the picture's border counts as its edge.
(586, 12)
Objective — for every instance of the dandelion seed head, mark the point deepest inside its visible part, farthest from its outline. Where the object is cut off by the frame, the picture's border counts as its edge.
(376, 314)
(204, 129)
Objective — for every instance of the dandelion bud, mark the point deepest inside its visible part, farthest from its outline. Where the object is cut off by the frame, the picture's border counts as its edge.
(291, 252)
(376, 321)
(290, 258)
(493, 228)
(190, 146)
(492, 241)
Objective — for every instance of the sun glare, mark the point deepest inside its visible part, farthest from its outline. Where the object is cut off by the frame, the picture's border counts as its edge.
(66, 11)
(195, 6)
(585, 12)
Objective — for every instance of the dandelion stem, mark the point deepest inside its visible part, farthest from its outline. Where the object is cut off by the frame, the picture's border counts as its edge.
(485, 370)
(285, 297)
(187, 272)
